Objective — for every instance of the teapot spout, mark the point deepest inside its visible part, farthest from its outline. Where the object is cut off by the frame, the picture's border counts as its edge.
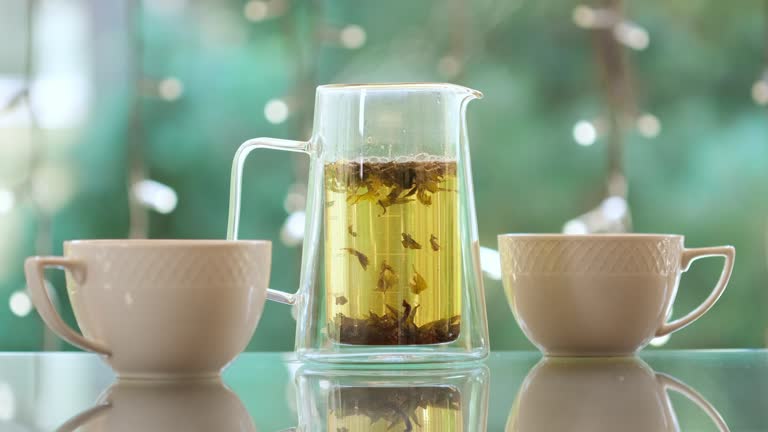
(473, 94)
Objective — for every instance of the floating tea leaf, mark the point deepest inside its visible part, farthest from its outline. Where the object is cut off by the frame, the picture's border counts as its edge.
(329, 204)
(360, 257)
(434, 243)
(351, 231)
(388, 183)
(409, 243)
(393, 197)
(423, 197)
(418, 284)
(387, 278)
(369, 195)
(341, 300)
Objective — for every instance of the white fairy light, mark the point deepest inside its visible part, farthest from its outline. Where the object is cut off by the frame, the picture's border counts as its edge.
(292, 232)
(661, 340)
(170, 88)
(53, 186)
(155, 195)
(276, 111)
(631, 35)
(7, 200)
(575, 226)
(591, 18)
(296, 198)
(20, 303)
(294, 201)
(352, 36)
(625, 32)
(648, 125)
(760, 92)
(583, 16)
(449, 66)
(584, 133)
(614, 208)
(256, 10)
(490, 262)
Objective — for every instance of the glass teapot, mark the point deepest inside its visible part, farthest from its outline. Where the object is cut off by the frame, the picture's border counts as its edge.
(390, 268)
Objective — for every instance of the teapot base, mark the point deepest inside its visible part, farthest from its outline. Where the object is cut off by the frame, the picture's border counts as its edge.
(388, 355)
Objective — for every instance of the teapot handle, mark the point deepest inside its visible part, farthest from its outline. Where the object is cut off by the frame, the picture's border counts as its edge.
(669, 383)
(236, 188)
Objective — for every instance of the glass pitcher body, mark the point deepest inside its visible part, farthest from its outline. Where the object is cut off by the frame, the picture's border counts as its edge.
(390, 266)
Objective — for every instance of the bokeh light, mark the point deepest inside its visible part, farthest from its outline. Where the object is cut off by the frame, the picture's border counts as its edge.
(256, 10)
(20, 303)
(292, 232)
(276, 111)
(352, 36)
(449, 66)
(760, 92)
(170, 89)
(632, 35)
(7, 200)
(155, 195)
(648, 125)
(575, 227)
(614, 208)
(584, 133)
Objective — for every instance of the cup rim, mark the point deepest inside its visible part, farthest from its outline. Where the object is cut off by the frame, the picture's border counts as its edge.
(606, 236)
(167, 242)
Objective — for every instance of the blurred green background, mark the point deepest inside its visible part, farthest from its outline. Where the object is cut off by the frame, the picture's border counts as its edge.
(135, 110)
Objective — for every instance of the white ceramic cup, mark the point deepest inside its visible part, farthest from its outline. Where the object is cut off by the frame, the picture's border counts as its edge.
(600, 294)
(162, 309)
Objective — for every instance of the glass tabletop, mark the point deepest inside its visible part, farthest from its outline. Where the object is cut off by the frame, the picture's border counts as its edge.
(512, 391)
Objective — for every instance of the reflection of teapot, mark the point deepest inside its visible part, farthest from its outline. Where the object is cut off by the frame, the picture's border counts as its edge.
(393, 401)
(599, 395)
(165, 406)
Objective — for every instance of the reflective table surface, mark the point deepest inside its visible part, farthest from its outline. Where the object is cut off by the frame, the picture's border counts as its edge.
(511, 391)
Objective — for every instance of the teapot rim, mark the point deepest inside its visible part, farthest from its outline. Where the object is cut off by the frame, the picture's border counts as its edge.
(400, 86)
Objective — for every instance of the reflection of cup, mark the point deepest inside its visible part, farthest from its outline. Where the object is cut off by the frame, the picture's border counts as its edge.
(159, 308)
(599, 295)
(165, 406)
(393, 401)
(617, 394)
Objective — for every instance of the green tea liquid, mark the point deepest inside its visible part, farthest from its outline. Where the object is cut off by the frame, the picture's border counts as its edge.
(392, 252)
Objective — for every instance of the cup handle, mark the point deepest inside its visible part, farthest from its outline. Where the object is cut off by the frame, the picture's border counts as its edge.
(236, 188)
(669, 383)
(33, 269)
(84, 417)
(688, 256)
